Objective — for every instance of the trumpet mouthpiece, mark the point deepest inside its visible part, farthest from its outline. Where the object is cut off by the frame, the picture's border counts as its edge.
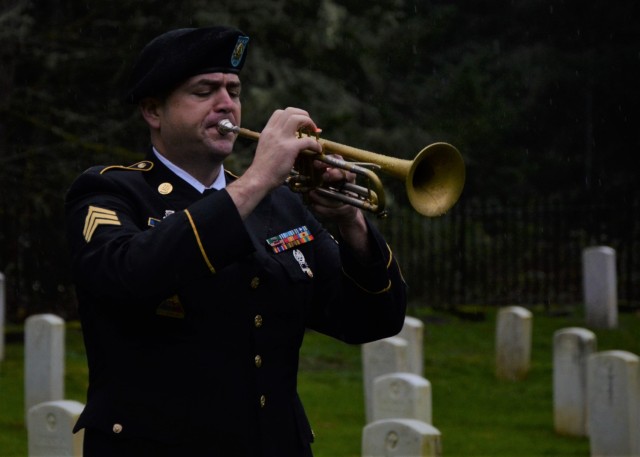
(225, 126)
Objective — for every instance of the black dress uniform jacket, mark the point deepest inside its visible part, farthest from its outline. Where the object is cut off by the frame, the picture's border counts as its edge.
(193, 322)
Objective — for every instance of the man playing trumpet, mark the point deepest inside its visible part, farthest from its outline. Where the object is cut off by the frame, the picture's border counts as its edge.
(195, 287)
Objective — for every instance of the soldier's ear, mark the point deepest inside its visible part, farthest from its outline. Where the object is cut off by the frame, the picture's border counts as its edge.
(150, 108)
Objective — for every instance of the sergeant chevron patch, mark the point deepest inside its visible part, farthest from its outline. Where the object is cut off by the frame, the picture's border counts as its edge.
(96, 217)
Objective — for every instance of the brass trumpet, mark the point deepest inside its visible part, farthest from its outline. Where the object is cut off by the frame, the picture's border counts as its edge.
(434, 179)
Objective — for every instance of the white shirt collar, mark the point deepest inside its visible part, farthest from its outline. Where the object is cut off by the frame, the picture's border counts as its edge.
(219, 183)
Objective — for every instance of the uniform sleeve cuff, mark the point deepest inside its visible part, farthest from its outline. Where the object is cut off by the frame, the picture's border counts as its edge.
(371, 276)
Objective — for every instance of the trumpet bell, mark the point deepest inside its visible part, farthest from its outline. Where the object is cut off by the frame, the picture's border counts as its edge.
(436, 179)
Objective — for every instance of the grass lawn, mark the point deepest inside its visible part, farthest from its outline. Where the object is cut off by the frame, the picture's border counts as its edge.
(476, 414)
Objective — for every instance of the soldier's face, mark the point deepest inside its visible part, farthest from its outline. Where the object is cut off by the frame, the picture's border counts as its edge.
(188, 118)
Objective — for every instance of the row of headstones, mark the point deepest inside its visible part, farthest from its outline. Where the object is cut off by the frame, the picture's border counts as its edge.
(595, 394)
(397, 397)
(599, 392)
(513, 334)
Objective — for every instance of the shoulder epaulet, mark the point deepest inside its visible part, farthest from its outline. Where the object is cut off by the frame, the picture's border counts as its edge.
(144, 165)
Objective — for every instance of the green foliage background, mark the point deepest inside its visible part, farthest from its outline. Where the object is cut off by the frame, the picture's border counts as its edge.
(539, 95)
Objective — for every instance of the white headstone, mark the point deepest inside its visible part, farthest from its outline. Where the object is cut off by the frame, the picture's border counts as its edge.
(43, 359)
(571, 349)
(402, 396)
(600, 287)
(388, 355)
(513, 343)
(413, 332)
(50, 426)
(613, 385)
(401, 438)
(3, 310)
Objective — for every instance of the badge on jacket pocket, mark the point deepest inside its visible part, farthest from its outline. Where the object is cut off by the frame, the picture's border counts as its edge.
(299, 256)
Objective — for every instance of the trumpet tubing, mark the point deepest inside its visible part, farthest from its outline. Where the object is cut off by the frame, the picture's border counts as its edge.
(434, 179)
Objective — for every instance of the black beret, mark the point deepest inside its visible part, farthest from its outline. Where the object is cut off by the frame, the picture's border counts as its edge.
(179, 54)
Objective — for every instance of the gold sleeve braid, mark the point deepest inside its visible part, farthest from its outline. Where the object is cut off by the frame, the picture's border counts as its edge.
(199, 241)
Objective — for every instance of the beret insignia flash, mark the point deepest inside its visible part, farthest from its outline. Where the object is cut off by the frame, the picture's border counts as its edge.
(238, 50)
